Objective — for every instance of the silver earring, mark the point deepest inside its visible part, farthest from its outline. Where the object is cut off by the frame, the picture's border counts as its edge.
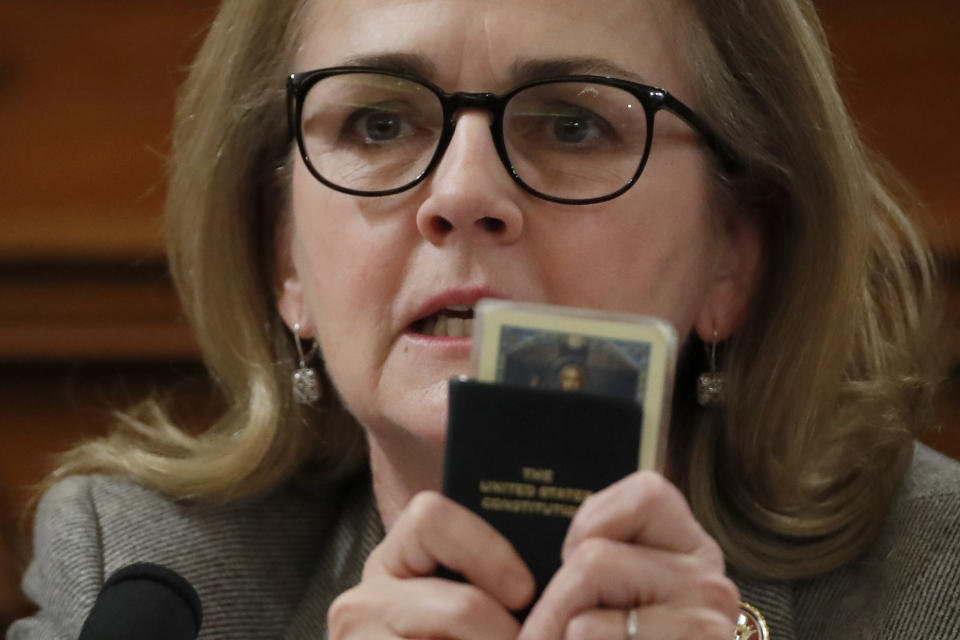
(306, 385)
(710, 384)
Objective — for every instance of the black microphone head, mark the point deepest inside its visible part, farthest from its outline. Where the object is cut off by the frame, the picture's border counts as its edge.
(147, 602)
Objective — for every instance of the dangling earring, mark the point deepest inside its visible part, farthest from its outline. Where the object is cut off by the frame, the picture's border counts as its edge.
(710, 384)
(306, 386)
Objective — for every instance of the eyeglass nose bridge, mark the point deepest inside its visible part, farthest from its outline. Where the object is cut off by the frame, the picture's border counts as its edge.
(456, 102)
(452, 104)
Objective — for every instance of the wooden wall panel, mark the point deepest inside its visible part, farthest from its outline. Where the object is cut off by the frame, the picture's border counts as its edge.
(86, 100)
(899, 67)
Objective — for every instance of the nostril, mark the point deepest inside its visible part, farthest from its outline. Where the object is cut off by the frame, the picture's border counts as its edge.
(493, 225)
(441, 225)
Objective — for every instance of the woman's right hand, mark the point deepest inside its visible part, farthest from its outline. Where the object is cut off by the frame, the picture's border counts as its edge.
(399, 597)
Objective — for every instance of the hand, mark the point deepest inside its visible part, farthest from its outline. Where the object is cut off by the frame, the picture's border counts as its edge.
(636, 545)
(398, 596)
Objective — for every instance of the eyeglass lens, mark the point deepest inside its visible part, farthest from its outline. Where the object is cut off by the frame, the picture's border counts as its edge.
(565, 139)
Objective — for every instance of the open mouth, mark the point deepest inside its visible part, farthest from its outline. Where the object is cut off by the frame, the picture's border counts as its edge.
(450, 322)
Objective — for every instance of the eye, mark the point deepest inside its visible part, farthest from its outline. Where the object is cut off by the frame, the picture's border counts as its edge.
(573, 130)
(570, 124)
(559, 126)
(372, 125)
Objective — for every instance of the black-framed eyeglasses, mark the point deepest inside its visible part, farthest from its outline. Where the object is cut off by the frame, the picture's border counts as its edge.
(575, 139)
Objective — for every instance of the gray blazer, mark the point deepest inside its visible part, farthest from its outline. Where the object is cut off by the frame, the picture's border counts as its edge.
(269, 569)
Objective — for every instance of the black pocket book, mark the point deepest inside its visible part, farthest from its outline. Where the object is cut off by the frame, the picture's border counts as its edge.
(524, 459)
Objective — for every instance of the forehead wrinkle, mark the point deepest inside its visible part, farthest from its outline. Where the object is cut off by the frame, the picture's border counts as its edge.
(488, 66)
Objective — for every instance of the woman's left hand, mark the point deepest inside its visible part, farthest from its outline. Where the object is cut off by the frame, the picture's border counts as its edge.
(636, 545)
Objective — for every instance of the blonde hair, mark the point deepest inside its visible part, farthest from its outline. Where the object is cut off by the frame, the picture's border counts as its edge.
(829, 379)
(226, 195)
(825, 383)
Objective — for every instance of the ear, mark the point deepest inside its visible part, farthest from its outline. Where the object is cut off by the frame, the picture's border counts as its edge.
(288, 286)
(736, 276)
(291, 305)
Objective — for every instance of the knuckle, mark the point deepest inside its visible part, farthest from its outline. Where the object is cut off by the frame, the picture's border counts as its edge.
(592, 555)
(461, 608)
(656, 482)
(720, 594)
(345, 612)
(711, 552)
(427, 506)
(704, 624)
(584, 627)
(583, 569)
(588, 502)
(651, 491)
(375, 562)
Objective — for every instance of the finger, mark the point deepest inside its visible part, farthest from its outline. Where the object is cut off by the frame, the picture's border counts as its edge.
(603, 573)
(619, 575)
(659, 622)
(646, 509)
(385, 607)
(435, 530)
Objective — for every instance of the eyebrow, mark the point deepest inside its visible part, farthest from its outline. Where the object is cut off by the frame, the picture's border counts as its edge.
(521, 71)
(526, 70)
(410, 63)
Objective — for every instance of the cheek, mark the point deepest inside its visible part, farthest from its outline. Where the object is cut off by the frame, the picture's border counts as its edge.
(334, 266)
(336, 249)
(654, 261)
(337, 258)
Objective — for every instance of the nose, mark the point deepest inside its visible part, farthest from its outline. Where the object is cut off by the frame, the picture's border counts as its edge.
(471, 195)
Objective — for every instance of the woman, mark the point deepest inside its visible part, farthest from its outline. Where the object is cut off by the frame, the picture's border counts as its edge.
(757, 223)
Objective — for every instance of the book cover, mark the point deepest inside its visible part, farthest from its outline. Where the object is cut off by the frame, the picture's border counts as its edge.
(525, 458)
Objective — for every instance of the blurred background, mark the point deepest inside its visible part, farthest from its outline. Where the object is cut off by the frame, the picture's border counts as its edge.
(88, 319)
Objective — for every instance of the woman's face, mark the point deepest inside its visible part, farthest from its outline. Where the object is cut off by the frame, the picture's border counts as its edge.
(362, 273)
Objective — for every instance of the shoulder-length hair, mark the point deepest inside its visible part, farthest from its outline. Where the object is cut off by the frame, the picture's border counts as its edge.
(226, 198)
(825, 380)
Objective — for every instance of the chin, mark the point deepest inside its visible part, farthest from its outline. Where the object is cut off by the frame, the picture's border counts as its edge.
(417, 413)
(428, 421)
(432, 410)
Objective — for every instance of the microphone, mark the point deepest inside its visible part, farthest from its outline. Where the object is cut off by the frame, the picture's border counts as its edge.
(147, 602)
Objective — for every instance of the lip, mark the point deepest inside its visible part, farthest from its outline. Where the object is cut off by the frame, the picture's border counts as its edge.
(455, 297)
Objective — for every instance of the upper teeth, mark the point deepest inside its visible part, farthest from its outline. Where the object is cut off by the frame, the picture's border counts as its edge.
(448, 326)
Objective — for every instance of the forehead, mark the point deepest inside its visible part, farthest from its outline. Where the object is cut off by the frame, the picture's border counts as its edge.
(472, 44)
